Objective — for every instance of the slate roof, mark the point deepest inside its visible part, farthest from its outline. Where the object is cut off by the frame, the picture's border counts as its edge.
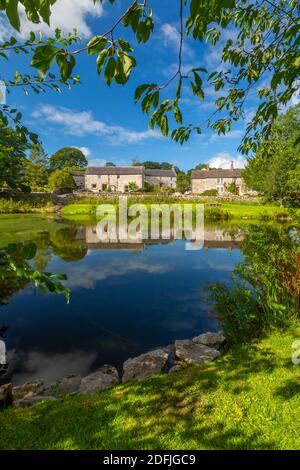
(77, 173)
(161, 173)
(114, 170)
(204, 174)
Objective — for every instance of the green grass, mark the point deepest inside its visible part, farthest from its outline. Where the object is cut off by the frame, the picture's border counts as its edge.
(230, 210)
(247, 399)
(27, 204)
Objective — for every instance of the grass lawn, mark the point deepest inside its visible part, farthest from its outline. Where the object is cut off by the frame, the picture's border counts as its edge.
(236, 211)
(247, 399)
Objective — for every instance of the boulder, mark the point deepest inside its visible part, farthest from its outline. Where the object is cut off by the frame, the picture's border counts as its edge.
(70, 384)
(30, 389)
(104, 378)
(66, 386)
(6, 397)
(194, 353)
(32, 400)
(210, 339)
(146, 365)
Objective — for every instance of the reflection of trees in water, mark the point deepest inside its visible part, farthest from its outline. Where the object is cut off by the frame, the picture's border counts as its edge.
(66, 245)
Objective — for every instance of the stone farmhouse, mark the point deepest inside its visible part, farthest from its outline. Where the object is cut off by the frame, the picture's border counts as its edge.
(207, 179)
(118, 179)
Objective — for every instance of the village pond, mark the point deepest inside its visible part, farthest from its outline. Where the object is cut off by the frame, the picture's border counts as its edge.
(126, 298)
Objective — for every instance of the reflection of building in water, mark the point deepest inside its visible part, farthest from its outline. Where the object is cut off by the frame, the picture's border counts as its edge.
(214, 237)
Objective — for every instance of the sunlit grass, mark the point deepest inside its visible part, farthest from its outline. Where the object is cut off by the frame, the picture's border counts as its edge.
(247, 399)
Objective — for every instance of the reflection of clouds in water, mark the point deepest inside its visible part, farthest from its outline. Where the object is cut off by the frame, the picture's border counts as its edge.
(190, 314)
(37, 365)
(87, 276)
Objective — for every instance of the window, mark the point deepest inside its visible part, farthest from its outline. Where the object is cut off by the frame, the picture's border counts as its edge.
(94, 186)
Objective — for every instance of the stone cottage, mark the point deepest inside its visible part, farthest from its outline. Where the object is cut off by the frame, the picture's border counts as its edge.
(79, 178)
(219, 179)
(161, 178)
(118, 179)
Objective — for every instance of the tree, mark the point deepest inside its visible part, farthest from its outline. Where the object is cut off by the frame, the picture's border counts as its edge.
(67, 157)
(183, 182)
(13, 148)
(38, 155)
(60, 179)
(271, 170)
(262, 47)
(110, 164)
(36, 174)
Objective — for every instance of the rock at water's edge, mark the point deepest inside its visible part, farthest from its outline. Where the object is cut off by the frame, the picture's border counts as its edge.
(104, 378)
(211, 339)
(30, 389)
(145, 366)
(194, 353)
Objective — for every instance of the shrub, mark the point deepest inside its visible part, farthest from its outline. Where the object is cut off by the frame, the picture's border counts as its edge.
(132, 186)
(210, 192)
(266, 292)
(214, 214)
(148, 187)
(60, 179)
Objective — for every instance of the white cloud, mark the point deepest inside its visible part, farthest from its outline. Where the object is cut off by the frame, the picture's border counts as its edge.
(170, 37)
(224, 160)
(236, 134)
(85, 150)
(97, 162)
(66, 15)
(82, 123)
(85, 278)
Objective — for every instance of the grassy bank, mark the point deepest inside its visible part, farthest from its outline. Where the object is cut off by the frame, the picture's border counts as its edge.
(223, 211)
(27, 205)
(247, 399)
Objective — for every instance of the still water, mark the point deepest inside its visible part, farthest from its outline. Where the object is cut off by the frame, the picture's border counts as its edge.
(127, 298)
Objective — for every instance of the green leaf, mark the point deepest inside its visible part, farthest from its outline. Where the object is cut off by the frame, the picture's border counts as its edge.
(101, 60)
(43, 58)
(139, 91)
(12, 13)
(96, 45)
(110, 71)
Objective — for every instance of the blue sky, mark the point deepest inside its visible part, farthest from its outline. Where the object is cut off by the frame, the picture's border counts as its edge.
(104, 121)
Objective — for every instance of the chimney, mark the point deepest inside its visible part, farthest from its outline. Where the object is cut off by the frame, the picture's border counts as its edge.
(232, 166)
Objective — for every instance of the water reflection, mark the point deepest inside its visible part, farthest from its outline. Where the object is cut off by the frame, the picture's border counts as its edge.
(126, 298)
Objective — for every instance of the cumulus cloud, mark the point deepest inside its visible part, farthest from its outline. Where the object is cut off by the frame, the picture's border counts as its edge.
(82, 123)
(85, 150)
(66, 15)
(169, 35)
(85, 278)
(224, 160)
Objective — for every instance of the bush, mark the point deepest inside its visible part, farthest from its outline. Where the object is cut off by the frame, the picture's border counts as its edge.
(214, 214)
(61, 179)
(148, 187)
(266, 292)
(210, 192)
